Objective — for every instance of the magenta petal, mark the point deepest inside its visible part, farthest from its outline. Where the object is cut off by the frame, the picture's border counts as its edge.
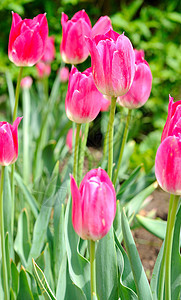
(76, 206)
(102, 26)
(168, 165)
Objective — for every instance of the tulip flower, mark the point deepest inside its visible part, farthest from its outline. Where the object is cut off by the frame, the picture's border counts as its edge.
(83, 100)
(140, 89)
(168, 157)
(73, 47)
(27, 39)
(113, 63)
(43, 69)
(64, 74)
(94, 205)
(49, 53)
(106, 102)
(9, 142)
(26, 82)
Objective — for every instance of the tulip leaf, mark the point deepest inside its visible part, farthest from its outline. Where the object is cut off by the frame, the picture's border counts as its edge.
(176, 259)
(135, 204)
(79, 267)
(24, 288)
(66, 290)
(42, 282)
(7, 208)
(106, 268)
(48, 268)
(41, 224)
(156, 227)
(22, 242)
(14, 277)
(155, 276)
(28, 196)
(7, 257)
(142, 285)
(59, 240)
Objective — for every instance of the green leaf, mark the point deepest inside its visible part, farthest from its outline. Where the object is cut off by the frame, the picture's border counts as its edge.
(41, 224)
(135, 204)
(7, 257)
(7, 205)
(14, 277)
(24, 288)
(79, 267)
(106, 268)
(156, 227)
(155, 275)
(48, 267)
(59, 239)
(22, 242)
(28, 196)
(176, 259)
(43, 284)
(142, 285)
(66, 289)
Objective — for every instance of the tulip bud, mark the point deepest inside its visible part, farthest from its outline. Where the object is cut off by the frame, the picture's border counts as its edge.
(27, 40)
(106, 102)
(9, 142)
(83, 100)
(26, 82)
(93, 205)
(140, 89)
(168, 157)
(64, 74)
(43, 69)
(113, 63)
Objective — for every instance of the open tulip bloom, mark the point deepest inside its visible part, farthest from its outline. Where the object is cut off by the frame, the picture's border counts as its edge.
(27, 39)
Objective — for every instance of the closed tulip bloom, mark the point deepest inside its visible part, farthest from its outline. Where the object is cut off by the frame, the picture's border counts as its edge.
(83, 100)
(43, 69)
(64, 74)
(113, 63)
(106, 102)
(49, 53)
(73, 47)
(26, 82)
(140, 89)
(168, 157)
(93, 205)
(27, 39)
(9, 142)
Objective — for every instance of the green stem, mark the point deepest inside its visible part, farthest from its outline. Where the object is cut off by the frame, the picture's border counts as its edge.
(111, 133)
(168, 245)
(26, 121)
(82, 151)
(17, 94)
(13, 165)
(105, 143)
(3, 251)
(76, 151)
(93, 269)
(122, 146)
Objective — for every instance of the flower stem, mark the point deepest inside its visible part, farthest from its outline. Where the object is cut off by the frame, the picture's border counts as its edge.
(13, 165)
(17, 93)
(168, 245)
(82, 151)
(111, 132)
(105, 143)
(93, 269)
(3, 251)
(76, 152)
(122, 146)
(26, 115)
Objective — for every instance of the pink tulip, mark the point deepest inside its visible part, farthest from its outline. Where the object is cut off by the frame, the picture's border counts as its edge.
(140, 89)
(26, 82)
(69, 138)
(64, 74)
(168, 157)
(27, 39)
(9, 142)
(43, 69)
(113, 63)
(83, 100)
(49, 53)
(73, 47)
(93, 205)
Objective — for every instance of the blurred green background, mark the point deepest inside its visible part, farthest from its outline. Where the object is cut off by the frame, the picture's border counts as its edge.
(154, 26)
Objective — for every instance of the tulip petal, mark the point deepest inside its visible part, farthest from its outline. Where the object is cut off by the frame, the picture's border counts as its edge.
(76, 206)
(102, 26)
(7, 153)
(14, 129)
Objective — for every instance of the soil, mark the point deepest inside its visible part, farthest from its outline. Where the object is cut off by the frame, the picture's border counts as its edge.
(147, 244)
